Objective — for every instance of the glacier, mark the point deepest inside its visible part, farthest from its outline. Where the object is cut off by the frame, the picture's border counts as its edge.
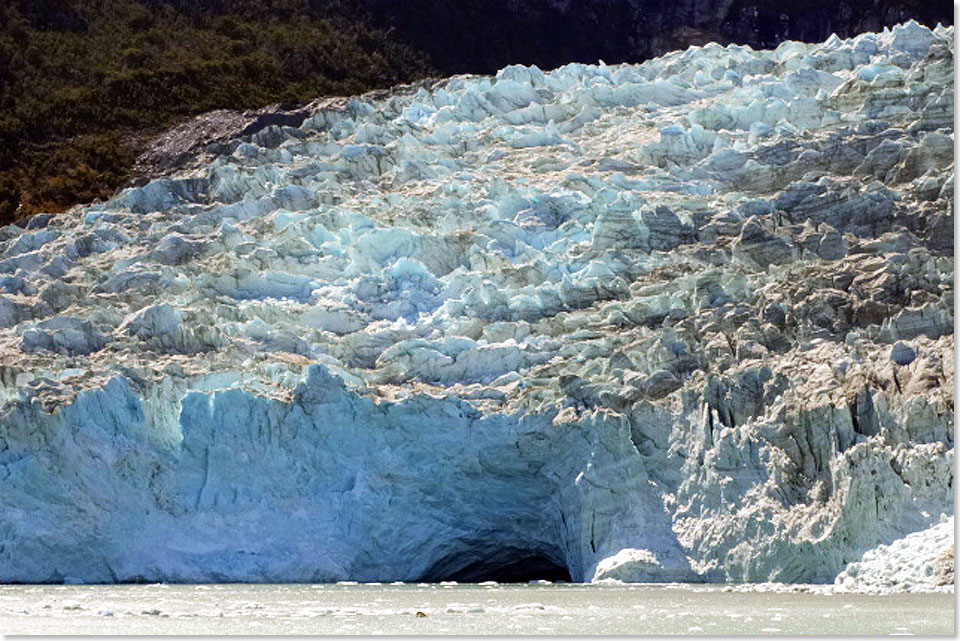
(685, 320)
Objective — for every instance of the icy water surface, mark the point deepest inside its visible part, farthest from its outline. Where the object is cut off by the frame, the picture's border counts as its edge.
(462, 609)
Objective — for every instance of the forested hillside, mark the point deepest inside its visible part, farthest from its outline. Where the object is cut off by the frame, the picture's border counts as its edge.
(83, 83)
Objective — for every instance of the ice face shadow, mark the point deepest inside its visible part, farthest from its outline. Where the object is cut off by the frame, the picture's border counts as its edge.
(504, 565)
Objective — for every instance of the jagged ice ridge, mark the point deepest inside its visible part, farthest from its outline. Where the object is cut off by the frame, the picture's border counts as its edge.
(685, 320)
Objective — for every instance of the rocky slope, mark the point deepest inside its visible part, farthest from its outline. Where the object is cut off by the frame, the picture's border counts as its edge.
(684, 320)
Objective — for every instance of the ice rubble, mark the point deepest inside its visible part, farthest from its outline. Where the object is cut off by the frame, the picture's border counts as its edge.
(921, 560)
(635, 321)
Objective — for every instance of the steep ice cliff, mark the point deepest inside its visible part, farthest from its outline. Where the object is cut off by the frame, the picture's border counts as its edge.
(684, 320)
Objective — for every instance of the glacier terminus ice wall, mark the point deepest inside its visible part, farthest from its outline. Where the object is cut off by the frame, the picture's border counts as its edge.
(687, 320)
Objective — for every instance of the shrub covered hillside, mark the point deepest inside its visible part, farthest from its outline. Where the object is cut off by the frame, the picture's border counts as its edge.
(83, 83)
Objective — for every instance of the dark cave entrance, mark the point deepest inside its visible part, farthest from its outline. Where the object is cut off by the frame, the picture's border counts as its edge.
(505, 565)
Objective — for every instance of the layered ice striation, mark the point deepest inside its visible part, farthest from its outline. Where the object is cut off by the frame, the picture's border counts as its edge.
(685, 320)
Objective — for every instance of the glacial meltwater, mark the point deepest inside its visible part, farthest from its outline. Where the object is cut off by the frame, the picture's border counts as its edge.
(466, 609)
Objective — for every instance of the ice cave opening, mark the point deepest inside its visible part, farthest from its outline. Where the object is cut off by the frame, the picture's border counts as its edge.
(507, 564)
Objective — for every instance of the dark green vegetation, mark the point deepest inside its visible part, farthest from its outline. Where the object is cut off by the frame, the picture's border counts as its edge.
(85, 83)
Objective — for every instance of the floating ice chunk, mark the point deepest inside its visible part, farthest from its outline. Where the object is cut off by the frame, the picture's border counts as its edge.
(634, 565)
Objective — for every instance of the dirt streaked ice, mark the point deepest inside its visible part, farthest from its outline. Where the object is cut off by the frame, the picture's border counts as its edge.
(688, 320)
